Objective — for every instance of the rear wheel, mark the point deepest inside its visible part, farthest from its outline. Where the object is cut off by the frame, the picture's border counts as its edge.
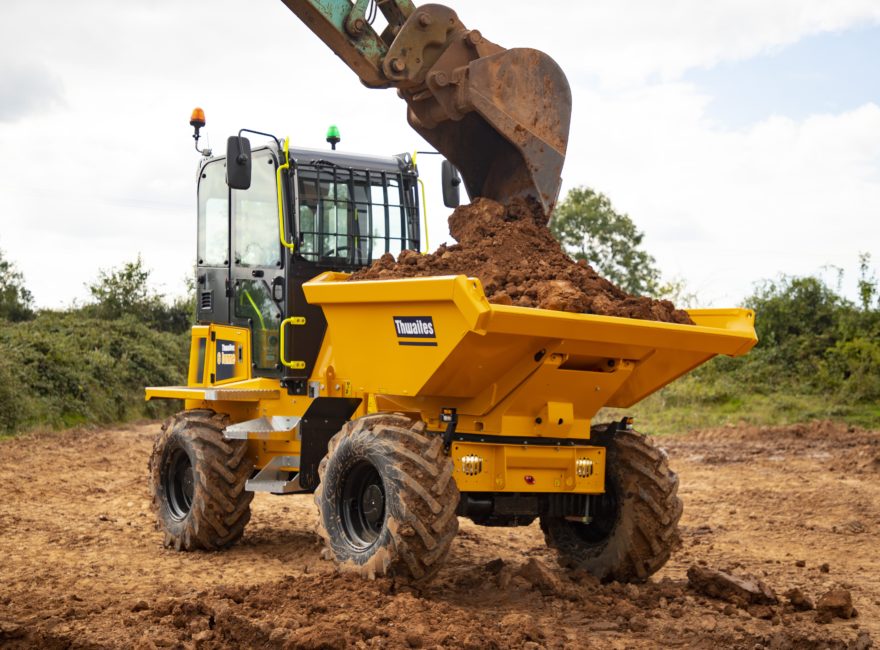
(634, 525)
(198, 481)
(387, 499)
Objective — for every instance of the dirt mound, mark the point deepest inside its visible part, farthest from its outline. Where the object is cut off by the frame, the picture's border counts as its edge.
(520, 263)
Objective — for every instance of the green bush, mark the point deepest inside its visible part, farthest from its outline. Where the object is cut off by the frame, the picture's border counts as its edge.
(126, 291)
(818, 356)
(89, 364)
(854, 368)
(68, 368)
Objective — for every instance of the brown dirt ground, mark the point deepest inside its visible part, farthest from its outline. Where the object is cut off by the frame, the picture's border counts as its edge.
(519, 262)
(81, 565)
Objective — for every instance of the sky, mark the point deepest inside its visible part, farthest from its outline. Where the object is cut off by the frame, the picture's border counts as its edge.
(742, 136)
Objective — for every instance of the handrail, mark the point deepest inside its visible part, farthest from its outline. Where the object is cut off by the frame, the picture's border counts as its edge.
(281, 234)
(424, 205)
(295, 365)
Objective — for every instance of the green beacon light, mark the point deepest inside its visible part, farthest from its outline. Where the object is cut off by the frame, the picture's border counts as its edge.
(333, 136)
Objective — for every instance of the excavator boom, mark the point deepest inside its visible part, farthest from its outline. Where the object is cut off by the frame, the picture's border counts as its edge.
(500, 116)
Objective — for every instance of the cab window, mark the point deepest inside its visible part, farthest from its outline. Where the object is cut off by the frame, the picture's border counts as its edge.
(253, 300)
(213, 232)
(255, 217)
(353, 216)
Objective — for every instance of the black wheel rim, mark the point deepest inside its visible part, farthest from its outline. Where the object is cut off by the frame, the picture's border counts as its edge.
(179, 484)
(362, 506)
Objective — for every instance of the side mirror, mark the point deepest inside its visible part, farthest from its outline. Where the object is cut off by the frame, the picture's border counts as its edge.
(451, 181)
(238, 163)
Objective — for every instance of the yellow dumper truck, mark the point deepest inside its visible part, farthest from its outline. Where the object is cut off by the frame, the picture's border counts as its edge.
(406, 404)
(424, 403)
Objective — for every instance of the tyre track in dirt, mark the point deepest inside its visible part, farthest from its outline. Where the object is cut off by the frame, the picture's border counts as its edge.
(81, 564)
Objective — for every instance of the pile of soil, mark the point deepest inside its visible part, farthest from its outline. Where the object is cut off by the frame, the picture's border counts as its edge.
(519, 262)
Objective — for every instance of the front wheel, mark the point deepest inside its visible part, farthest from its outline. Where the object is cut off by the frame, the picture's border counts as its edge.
(634, 525)
(387, 499)
(198, 480)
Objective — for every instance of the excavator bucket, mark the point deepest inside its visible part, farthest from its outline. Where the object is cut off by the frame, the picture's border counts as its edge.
(512, 141)
(501, 116)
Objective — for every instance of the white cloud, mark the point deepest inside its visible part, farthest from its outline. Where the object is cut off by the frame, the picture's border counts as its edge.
(27, 88)
(780, 196)
(629, 42)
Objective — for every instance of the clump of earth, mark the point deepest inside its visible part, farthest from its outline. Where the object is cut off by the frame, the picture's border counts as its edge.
(519, 262)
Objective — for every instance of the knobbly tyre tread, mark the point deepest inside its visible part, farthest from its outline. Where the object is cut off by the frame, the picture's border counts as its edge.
(645, 533)
(421, 498)
(221, 505)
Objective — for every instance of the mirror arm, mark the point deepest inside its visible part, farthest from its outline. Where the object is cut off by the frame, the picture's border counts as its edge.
(242, 158)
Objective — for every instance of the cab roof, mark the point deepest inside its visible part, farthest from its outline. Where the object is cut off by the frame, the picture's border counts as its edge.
(400, 163)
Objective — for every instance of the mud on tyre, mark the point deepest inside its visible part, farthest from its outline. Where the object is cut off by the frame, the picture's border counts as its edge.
(197, 479)
(634, 527)
(387, 499)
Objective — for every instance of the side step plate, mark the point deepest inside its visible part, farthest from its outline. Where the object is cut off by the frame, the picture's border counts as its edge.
(272, 479)
(276, 427)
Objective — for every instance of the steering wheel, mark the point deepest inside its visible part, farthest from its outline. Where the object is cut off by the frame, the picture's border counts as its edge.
(336, 252)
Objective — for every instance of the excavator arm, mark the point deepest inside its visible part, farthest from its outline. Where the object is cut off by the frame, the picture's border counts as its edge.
(500, 116)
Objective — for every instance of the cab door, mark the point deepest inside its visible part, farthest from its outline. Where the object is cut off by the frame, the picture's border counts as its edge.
(257, 298)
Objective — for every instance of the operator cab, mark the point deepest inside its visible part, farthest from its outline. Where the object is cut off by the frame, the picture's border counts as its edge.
(339, 212)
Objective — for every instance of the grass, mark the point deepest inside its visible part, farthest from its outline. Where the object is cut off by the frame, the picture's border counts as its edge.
(682, 407)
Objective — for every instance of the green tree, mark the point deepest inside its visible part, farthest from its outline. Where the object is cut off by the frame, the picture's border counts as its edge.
(868, 288)
(126, 290)
(797, 309)
(16, 302)
(589, 228)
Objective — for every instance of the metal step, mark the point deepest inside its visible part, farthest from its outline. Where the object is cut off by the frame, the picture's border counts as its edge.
(276, 427)
(213, 394)
(272, 479)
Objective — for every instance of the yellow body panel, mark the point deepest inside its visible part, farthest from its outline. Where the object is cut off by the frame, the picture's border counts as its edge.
(508, 468)
(421, 345)
(243, 397)
(509, 371)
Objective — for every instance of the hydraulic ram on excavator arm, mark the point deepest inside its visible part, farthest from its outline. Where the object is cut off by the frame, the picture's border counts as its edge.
(500, 116)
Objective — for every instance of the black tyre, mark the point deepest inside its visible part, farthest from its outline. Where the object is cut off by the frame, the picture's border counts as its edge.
(198, 480)
(634, 527)
(387, 499)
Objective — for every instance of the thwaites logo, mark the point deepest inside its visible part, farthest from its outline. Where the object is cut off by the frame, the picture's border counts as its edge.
(415, 327)
(226, 352)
